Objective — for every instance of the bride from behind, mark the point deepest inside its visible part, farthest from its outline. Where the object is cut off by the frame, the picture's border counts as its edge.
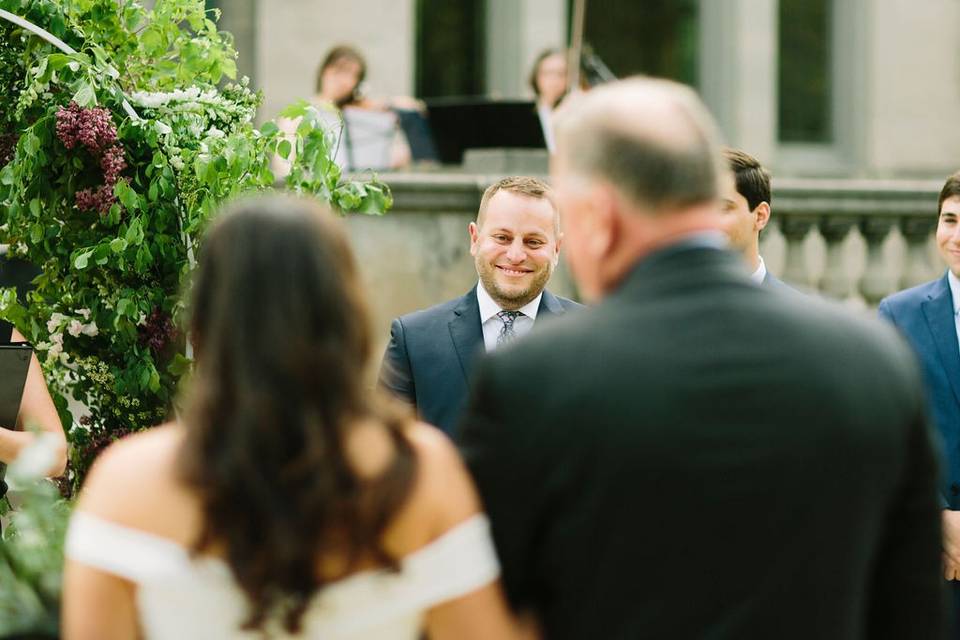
(288, 501)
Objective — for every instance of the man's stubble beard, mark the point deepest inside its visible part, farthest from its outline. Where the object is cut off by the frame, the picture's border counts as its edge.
(512, 301)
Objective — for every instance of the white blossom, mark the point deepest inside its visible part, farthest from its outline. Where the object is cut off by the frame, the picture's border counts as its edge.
(85, 313)
(74, 328)
(90, 330)
(56, 319)
(177, 163)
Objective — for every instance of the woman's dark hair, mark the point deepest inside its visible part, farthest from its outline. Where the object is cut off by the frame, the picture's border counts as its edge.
(335, 55)
(281, 341)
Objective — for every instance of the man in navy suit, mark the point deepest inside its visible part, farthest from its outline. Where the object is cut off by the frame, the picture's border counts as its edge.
(746, 211)
(515, 242)
(928, 316)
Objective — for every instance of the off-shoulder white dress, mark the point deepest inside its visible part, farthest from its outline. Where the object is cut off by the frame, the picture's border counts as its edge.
(179, 598)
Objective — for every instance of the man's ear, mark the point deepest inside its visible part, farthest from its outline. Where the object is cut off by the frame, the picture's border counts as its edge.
(474, 237)
(606, 206)
(761, 216)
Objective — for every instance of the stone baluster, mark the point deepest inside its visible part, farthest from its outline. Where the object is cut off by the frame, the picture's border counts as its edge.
(795, 230)
(916, 231)
(877, 281)
(836, 281)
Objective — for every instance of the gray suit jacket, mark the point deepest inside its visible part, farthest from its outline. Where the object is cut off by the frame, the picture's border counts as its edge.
(432, 354)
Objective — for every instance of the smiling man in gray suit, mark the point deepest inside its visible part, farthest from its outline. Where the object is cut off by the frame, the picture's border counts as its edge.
(515, 242)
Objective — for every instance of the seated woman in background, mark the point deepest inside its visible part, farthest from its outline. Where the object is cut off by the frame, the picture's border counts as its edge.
(289, 501)
(370, 137)
(548, 79)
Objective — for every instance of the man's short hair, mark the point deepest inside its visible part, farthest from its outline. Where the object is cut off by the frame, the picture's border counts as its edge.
(753, 181)
(667, 157)
(951, 189)
(523, 186)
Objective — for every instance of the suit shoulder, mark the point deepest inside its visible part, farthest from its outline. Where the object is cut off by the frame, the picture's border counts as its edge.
(426, 318)
(910, 297)
(569, 304)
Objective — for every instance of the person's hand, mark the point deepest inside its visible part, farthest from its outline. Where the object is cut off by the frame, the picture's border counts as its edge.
(951, 536)
(951, 570)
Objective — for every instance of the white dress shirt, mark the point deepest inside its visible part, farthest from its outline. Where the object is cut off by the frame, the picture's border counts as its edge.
(492, 324)
(955, 294)
(761, 272)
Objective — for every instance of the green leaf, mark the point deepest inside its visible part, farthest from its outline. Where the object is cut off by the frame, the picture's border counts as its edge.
(295, 110)
(35, 208)
(269, 128)
(118, 245)
(180, 365)
(127, 196)
(284, 149)
(126, 307)
(80, 262)
(85, 95)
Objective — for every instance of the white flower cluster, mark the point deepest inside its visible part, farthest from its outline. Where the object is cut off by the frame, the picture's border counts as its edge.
(155, 100)
(74, 326)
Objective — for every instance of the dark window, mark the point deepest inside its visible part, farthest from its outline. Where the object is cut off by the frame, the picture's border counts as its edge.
(654, 37)
(805, 77)
(450, 48)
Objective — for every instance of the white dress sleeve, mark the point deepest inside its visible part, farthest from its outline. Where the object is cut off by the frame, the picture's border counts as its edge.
(116, 549)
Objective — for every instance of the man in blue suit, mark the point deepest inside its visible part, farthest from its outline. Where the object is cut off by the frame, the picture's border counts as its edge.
(746, 211)
(515, 242)
(928, 316)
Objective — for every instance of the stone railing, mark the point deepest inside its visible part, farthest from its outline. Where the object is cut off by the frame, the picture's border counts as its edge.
(875, 236)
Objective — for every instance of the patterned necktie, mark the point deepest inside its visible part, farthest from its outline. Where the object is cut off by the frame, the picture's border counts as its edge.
(506, 331)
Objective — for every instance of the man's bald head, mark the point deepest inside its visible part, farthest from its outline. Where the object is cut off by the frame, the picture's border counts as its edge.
(653, 139)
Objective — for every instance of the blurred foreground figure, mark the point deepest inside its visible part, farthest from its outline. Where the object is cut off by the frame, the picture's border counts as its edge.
(928, 316)
(697, 456)
(288, 503)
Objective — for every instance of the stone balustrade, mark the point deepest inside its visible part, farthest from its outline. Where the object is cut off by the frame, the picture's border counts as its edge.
(872, 212)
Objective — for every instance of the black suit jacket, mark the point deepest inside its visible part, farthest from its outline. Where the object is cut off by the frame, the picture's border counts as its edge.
(432, 354)
(699, 457)
(773, 282)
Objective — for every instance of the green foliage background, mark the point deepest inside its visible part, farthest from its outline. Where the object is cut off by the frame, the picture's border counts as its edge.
(166, 75)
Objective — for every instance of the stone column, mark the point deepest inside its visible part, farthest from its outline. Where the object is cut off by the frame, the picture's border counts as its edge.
(795, 230)
(916, 231)
(877, 281)
(738, 71)
(836, 281)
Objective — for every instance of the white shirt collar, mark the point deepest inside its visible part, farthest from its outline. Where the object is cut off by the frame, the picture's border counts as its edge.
(954, 291)
(761, 272)
(489, 308)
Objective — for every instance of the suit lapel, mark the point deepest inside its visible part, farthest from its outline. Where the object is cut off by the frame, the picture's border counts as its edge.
(938, 311)
(549, 305)
(466, 332)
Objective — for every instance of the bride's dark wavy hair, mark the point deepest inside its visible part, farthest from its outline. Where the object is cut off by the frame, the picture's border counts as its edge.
(282, 343)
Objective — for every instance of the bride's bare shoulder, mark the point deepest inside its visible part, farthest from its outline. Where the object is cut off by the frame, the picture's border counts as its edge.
(135, 477)
(443, 487)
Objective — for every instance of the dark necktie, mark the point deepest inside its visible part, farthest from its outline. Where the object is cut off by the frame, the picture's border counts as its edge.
(507, 332)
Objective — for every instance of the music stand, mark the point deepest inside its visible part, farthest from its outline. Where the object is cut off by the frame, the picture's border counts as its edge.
(463, 123)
